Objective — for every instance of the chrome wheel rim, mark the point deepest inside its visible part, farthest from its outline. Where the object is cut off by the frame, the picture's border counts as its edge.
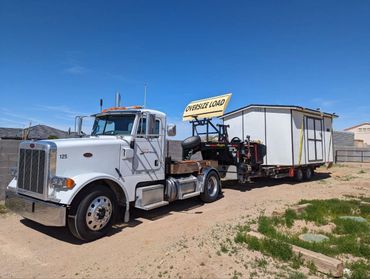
(99, 213)
(212, 186)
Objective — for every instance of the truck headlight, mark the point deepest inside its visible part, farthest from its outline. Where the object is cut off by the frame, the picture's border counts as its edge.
(62, 182)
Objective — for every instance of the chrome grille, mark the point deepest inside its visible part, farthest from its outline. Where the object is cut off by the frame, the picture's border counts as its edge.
(31, 171)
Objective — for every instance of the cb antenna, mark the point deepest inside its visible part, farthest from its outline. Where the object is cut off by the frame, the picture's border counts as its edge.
(145, 86)
(118, 99)
(101, 105)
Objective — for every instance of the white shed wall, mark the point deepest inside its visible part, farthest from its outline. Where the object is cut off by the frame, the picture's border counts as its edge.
(236, 125)
(281, 130)
(278, 137)
(254, 125)
(270, 126)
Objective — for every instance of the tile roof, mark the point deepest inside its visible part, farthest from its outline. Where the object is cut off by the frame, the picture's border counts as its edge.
(356, 126)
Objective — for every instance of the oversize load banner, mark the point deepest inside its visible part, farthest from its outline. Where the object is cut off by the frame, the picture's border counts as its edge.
(206, 108)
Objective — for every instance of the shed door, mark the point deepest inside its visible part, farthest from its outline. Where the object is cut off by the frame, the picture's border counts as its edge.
(314, 139)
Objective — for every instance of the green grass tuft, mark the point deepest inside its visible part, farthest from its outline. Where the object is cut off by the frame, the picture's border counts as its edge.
(3, 209)
(312, 267)
(266, 226)
(224, 248)
(297, 261)
(296, 275)
(271, 247)
(240, 237)
(348, 236)
(261, 263)
(289, 216)
(253, 243)
(348, 226)
(320, 211)
(360, 270)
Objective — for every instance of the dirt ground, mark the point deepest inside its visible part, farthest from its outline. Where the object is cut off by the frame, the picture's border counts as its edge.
(187, 239)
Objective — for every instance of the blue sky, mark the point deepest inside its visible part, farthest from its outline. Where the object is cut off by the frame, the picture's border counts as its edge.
(58, 58)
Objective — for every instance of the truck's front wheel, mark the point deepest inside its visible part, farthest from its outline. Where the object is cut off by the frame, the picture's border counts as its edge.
(212, 187)
(94, 214)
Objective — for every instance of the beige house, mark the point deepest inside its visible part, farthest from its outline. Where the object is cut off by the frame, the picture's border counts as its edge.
(362, 133)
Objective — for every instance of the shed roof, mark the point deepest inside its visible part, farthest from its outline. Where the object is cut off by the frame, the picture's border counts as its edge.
(288, 107)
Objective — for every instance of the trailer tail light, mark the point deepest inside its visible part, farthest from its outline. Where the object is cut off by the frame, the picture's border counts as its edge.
(291, 172)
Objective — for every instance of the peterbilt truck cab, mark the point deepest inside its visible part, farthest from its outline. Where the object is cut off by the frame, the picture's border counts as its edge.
(83, 183)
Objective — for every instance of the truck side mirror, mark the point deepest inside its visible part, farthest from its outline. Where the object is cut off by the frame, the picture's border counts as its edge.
(151, 125)
(78, 125)
(171, 130)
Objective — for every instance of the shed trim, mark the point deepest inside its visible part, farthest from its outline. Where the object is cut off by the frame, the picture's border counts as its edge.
(287, 107)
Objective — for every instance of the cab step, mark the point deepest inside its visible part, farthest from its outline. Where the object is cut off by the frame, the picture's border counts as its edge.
(153, 205)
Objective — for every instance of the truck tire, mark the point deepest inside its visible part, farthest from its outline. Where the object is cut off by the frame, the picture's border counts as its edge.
(94, 214)
(308, 173)
(298, 174)
(212, 187)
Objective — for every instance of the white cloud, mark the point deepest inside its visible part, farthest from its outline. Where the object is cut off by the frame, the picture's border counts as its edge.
(20, 117)
(324, 103)
(76, 70)
(11, 123)
(65, 110)
(73, 65)
(60, 117)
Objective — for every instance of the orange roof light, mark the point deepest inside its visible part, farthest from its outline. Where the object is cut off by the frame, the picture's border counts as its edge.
(114, 108)
(121, 108)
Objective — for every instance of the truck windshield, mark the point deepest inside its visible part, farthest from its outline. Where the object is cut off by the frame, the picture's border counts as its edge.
(113, 125)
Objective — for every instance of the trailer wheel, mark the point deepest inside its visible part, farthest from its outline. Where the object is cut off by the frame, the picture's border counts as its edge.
(212, 187)
(308, 173)
(298, 174)
(94, 214)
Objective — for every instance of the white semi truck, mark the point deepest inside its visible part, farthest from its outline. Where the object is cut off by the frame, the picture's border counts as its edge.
(83, 182)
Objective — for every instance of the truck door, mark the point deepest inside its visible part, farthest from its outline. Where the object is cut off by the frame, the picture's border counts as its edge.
(148, 150)
(314, 139)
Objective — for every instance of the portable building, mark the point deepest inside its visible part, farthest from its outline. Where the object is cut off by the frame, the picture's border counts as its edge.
(292, 135)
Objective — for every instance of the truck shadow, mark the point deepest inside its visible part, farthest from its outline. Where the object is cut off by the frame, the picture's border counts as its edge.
(190, 206)
(136, 218)
(60, 233)
(270, 182)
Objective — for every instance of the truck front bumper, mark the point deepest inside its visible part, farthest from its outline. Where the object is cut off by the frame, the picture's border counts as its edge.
(45, 213)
